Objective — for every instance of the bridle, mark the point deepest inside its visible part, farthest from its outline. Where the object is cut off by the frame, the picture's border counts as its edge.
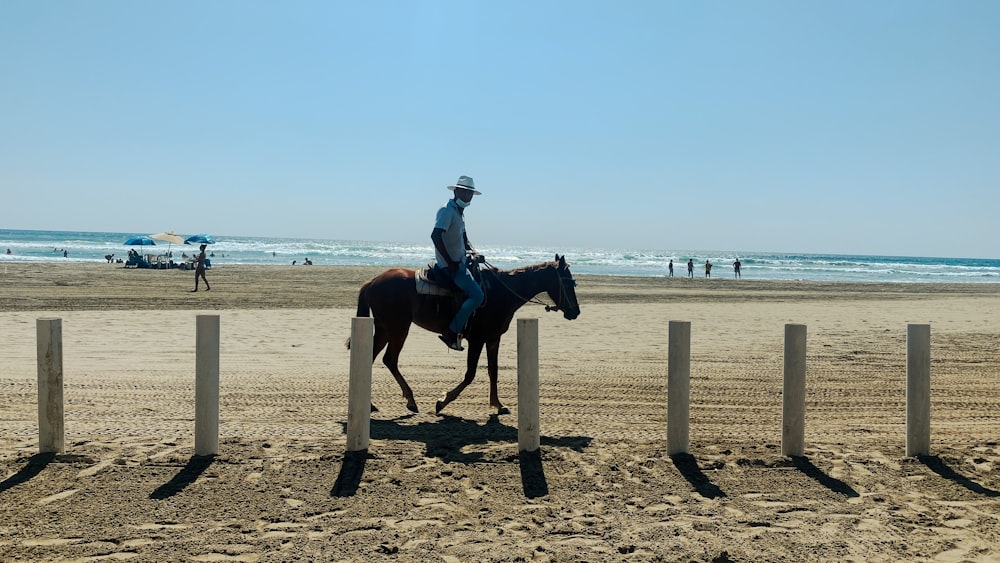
(562, 292)
(534, 299)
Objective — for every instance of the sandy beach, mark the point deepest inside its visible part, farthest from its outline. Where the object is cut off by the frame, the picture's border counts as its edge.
(452, 487)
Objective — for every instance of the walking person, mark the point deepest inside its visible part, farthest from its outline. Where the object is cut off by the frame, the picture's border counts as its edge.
(670, 267)
(450, 246)
(690, 267)
(199, 271)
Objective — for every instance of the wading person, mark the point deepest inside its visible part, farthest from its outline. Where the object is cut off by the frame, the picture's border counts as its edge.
(450, 246)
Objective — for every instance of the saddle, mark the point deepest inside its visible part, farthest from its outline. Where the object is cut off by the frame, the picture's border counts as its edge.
(439, 281)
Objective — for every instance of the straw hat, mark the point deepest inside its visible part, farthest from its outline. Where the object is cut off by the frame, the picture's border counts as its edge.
(465, 183)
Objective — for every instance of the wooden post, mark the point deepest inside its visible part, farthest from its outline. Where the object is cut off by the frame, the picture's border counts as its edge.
(51, 429)
(793, 399)
(918, 389)
(359, 389)
(206, 386)
(678, 387)
(528, 431)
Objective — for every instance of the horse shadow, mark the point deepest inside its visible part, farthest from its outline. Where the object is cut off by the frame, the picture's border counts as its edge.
(937, 465)
(35, 465)
(445, 438)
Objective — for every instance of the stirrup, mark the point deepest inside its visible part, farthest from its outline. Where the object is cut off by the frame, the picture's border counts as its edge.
(455, 343)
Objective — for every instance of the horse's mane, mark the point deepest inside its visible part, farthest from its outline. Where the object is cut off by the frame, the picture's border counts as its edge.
(532, 268)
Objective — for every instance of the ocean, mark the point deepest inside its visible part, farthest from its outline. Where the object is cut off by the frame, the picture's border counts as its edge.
(50, 246)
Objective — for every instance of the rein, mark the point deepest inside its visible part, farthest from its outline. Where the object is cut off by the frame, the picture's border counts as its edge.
(533, 299)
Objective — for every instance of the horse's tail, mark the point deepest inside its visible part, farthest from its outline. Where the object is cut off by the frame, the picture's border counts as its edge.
(364, 310)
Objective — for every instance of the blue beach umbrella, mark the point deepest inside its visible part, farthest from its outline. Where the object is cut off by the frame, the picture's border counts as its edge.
(141, 240)
(199, 239)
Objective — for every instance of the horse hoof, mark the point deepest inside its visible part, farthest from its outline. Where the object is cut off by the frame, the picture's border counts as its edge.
(374, 408)
(503, 410)
(412, 407)
(438, 406)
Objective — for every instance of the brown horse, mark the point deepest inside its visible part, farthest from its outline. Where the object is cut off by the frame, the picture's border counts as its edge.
(392, 299)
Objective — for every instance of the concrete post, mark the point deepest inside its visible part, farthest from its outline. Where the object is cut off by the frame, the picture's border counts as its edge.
(918, 389)
(528, 431)
(206, 386)
(51, 429)
(678, 386)
(793, 398)
(359, 389)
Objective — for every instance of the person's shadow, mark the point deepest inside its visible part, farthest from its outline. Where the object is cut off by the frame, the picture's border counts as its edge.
(445, 438)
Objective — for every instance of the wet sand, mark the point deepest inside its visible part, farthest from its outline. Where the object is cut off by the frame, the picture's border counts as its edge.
(452, 487)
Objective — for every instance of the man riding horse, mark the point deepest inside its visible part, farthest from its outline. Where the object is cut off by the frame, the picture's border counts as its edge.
(399, 297)
(450, 246)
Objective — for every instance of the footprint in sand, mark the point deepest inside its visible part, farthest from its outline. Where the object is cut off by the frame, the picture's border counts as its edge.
(161, 526)
(95, 469)
(280, 530)
(51, 542)
(249, 557)
(58, 496)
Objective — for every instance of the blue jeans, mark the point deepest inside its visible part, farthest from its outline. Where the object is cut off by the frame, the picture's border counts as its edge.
(473, 298)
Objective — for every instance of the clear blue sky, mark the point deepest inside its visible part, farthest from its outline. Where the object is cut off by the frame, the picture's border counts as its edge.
(840, 126)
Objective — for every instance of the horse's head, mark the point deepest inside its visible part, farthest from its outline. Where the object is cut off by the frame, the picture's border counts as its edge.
(563, 292)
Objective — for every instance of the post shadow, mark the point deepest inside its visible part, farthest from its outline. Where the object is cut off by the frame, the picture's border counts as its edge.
(351, 471)
(803, 464)
(937, 465)
(688, 466)
(35, 465)
(533, 474)
(187, 475)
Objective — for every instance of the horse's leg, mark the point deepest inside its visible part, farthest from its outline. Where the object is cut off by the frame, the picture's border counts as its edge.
(492, 367)
(378, 342)
(391, 361)
(475, 349)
